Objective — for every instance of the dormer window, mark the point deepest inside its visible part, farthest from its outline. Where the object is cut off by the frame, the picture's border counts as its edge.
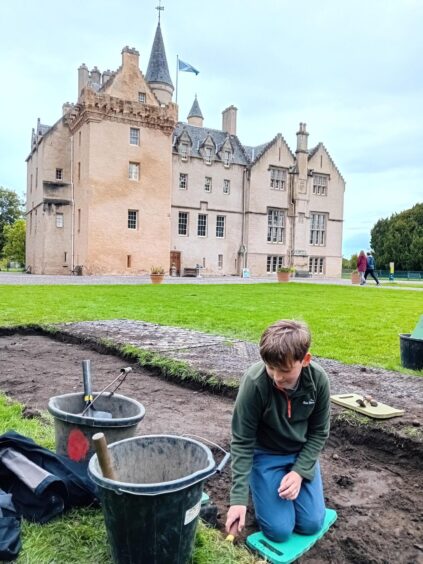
(227, 158)
(208, 155)
(183, 151)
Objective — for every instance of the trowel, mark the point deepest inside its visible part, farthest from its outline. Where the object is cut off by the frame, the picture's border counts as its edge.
(89, 409)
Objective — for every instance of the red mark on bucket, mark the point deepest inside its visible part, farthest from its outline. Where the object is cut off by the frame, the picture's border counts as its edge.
(78, 445)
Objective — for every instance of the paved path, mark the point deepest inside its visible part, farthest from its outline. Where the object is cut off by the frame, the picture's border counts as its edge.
(38, 279)
(227, 359)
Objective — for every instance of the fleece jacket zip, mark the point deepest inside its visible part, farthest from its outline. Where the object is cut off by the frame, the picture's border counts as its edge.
(281, 422)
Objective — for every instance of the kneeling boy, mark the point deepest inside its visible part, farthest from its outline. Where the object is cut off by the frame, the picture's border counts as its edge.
(279, 426)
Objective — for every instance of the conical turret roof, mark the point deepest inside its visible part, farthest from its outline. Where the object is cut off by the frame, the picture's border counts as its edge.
(195, 109)
(157, 70)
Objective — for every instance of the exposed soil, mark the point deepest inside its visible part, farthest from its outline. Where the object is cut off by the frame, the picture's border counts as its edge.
(372, 478)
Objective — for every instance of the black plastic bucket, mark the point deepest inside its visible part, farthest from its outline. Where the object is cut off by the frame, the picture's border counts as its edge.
(74, 432)
(151, 510)
(411, 352)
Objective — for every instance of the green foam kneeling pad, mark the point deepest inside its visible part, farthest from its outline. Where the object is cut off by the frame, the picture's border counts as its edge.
(294, 547)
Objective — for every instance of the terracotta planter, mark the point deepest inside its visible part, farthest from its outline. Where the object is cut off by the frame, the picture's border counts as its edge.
(355, 278)
(283, 276)
(156, 278)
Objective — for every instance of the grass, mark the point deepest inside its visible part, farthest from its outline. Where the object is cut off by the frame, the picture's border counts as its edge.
(349, 324)
(80, 535)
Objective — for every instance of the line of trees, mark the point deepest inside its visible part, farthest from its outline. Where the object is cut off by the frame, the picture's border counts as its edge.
(399, 239)
(12, 227)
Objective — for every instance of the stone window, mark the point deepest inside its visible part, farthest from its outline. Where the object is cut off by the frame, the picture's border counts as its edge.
(277, 178)
(128, 261)
(274, 262)
(59, 220)
(208, 184)
(220, 226)
(208, 155)
(220, 262)
(183, 181)
(141, 97)
(183, 223)
(79, 171)
(59, 173)
(318, 229)
(227, 156)
(183, 151)
(275, 225)
(134, 136)
(320, 185)
(316, 265)
(132, 219)
(226, 186)
(134, 171)
(202, 225)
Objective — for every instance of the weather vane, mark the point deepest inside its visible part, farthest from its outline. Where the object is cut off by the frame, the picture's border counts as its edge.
(159, 8)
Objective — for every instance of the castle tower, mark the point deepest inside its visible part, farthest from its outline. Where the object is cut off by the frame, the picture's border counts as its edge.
(157, 74)
(195, 117)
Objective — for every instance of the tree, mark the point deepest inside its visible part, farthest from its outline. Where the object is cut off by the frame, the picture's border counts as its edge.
(399, 239)
(14, 241)
(10, 211)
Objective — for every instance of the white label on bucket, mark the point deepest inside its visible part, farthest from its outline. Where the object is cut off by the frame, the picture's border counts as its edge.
(192, 513)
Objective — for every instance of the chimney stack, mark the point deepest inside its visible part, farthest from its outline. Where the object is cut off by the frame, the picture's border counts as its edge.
(95, 75)
(83, 76)
(66, 107)
(302, 139)
(229, 120)
(130, 57)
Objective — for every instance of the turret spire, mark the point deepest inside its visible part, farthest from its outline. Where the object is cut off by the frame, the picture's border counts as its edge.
(157, 70)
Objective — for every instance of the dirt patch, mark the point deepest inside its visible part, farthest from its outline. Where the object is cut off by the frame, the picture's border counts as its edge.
(372, 477)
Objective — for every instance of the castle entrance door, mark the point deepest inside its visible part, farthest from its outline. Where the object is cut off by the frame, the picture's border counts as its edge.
(175, 258)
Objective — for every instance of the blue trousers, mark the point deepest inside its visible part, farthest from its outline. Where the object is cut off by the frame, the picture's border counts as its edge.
(278, 517)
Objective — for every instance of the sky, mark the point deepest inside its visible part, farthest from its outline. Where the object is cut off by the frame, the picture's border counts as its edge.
(351, 70)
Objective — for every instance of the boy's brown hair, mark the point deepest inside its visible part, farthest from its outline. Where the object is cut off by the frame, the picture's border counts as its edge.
(284, 343)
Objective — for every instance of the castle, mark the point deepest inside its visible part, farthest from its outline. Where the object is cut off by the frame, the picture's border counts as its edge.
(118, 184)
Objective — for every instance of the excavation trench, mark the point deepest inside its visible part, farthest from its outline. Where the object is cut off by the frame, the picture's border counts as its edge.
(373, 476)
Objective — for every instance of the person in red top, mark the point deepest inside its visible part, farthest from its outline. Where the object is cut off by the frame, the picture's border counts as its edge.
(362, 266)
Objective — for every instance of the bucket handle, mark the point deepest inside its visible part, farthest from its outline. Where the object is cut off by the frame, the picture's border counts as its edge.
(219, 468)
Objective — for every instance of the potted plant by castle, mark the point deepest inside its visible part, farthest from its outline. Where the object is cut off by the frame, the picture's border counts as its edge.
(355, 277)
(157, 274)
(283, 273)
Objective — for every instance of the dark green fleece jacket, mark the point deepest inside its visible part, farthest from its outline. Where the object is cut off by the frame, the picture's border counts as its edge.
(281, 422)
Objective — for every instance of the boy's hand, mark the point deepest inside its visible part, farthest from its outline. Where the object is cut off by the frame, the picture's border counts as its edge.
(290, 486)
(236, 513)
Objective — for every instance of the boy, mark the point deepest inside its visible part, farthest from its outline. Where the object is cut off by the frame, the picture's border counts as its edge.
(279, 426)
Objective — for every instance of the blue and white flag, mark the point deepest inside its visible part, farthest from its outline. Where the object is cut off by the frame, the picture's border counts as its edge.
(186, 67)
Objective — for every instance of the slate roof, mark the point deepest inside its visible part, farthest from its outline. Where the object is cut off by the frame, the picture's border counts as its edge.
(195, 110)
(157, 70)
(254, 152)
(199, 134)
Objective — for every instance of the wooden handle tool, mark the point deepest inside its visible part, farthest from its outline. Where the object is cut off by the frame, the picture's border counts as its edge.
(103, 456)
(233, 532)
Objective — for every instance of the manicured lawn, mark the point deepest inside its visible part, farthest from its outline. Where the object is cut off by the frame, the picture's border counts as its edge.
(350, 324)
(80, 535)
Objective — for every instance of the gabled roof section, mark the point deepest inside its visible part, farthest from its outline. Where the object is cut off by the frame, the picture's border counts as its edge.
(195, 109)
(183, 136)
(157, 70)
(320, 145)
(199, 135)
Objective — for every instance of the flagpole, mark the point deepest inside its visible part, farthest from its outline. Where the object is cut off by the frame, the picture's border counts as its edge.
(177, 72)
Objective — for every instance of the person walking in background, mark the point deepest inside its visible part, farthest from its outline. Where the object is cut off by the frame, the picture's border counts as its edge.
(362, 267)
(371, 266)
